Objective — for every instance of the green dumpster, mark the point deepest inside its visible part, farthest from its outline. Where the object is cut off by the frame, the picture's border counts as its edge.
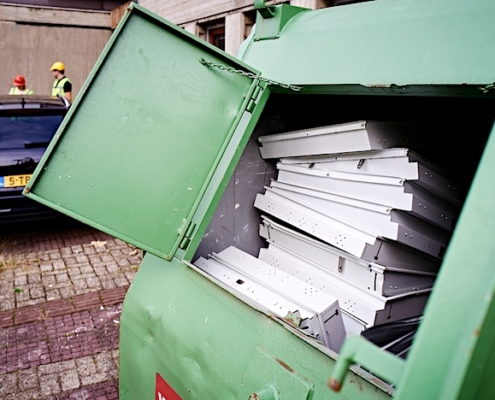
(162, 149)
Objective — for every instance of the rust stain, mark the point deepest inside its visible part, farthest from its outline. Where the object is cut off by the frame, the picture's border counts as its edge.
(358, 384)
(476, 333)
(291, 370)
(335, 385)
(28, 190)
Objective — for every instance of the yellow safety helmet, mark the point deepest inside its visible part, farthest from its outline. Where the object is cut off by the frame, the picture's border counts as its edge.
(59, 66)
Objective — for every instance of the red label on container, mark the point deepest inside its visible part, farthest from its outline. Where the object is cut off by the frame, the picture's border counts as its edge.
(163, 391)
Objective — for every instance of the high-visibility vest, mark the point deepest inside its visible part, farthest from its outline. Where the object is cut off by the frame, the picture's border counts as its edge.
(16, 90)
(58, 87)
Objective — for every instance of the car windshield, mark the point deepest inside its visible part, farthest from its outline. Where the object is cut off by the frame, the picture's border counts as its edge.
(18, 132)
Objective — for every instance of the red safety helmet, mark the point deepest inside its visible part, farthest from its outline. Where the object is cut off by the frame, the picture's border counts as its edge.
(19, 80)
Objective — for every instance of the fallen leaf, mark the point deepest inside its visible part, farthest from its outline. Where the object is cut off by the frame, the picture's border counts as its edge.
(98, 243)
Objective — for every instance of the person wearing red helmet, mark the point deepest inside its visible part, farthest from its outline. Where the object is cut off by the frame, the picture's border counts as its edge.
(20, 86)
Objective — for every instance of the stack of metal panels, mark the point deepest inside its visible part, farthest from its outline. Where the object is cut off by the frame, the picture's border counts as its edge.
(358, 219)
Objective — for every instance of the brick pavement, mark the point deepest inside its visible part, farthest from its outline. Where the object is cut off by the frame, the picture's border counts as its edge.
(61, 293)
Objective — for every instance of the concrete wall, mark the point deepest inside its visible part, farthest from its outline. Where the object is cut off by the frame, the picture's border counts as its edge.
(33, 38)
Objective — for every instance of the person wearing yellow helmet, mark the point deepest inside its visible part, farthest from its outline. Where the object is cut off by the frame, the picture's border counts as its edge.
(19, 87)
(62, 86)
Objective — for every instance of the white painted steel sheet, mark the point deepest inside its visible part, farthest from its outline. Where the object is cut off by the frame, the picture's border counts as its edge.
(327, 229)
(387, 195)
(398, 194)
(330, 331)
(396, 256)
(369, 307)
(365, 275)
(343, 138)
(401, 163)
(307, 296)
(393, 225)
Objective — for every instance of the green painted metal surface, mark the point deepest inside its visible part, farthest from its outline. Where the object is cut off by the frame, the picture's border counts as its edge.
(139, 146)
(382, 43)
(208, 345)
(271, 20)
(454, 350)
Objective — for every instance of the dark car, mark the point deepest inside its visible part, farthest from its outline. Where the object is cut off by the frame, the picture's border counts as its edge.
(27, 125)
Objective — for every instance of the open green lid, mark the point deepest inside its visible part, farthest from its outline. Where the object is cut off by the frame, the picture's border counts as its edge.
(137, 150)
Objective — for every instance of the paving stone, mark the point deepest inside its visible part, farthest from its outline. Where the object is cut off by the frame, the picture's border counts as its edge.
(20, 280)
(8, 384)
(86, 366)
(69, 380)
(47, 279)
(49, 384)
(53, 294)
(59, 265)
(107, 283)
(55, 255)
(113, 268)
(120, 280)
(37, 292)
(77, 249)
(82, 258)
(66, 289)
(86, 268)
(73, 271)
(87, 275)
(28, 379)
(65, 251)
(62, 277)
(106, 257)
(70, 260)
(80, 283)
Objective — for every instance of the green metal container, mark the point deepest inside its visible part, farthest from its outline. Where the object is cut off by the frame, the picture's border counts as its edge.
(160, 150)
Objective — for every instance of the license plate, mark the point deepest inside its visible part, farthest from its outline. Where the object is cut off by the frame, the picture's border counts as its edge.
(14, 181)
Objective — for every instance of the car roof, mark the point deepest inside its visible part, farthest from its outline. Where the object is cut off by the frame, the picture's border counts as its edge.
(17, 102)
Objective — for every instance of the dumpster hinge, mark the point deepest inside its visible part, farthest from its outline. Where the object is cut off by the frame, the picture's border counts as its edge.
(253, 100)
(187, 236)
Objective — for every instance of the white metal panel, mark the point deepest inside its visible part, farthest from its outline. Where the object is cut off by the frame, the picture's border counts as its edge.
(343, 138)
(390, 162)
(430, 208)
(332, 197)
(387, 195)
(364, 275)
(351, 304)
(248, 287)
(305, 295)
(328, 139)
(395, 226)
(368, 307)
(419, 235)
(321, 303)
(398, 194)
(327, 326)
(437, 181)
(397, 257)
(401, 163)
(372, 222)
(352, 325)
(350, 156)
(327, 229)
